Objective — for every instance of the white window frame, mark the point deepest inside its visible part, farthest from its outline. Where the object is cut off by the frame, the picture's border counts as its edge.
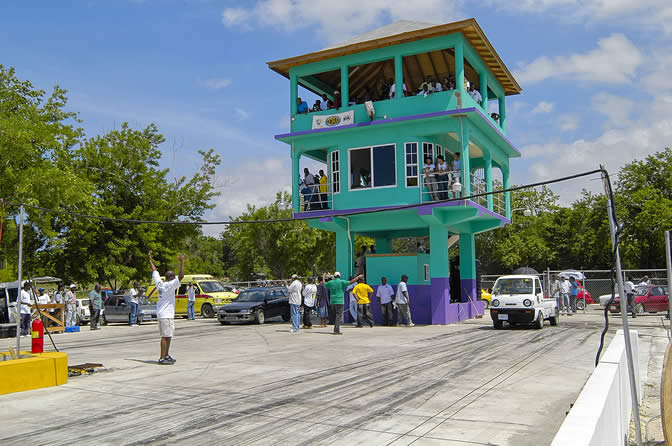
(396, 180)
(407, 165)
(439, 151)
(335, 158)
(431, 145)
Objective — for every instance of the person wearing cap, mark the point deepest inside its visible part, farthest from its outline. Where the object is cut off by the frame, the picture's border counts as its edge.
(43, 299)
(25, 309)
(71, 306)
(337, 288)
(294, 291)
(337, 98)
(165, 307)
(363, 292)
(564, 295)
(309, 294)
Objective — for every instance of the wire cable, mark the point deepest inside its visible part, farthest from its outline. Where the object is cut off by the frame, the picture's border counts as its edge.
(307, 217)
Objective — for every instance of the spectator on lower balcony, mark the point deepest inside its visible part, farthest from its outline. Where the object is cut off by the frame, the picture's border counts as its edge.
(307, 189)
(301, 106)
(393, 90)
(442, 177)
(325, 102)
(324, 198)
(475, 94)
(429, 176)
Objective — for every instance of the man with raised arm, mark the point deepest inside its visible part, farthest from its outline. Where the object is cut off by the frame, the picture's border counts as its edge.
(165, 307)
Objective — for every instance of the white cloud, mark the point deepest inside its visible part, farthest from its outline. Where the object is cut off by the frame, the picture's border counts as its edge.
(216, 83)
(568, 122)
(616, 108)
(337, 20)
(614, 61)
(543, 107)
(241, 114)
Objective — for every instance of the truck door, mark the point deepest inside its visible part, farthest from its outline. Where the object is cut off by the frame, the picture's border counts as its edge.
(539, 296)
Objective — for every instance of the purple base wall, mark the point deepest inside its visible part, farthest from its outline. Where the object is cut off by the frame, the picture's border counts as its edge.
(468, 289)
(430, 304)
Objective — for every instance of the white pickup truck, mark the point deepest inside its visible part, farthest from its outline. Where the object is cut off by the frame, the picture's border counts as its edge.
(520, 300)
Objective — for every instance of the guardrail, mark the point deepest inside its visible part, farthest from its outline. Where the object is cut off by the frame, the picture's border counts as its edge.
(316, 197)
(439, 187)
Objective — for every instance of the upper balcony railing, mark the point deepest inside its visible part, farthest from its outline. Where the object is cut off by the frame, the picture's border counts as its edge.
(395, 108)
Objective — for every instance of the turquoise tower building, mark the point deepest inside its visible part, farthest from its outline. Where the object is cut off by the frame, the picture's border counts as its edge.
(373, 141)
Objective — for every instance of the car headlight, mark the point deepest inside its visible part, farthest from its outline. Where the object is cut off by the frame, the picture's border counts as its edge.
(244, 311)
(527, 302)
(495, 302)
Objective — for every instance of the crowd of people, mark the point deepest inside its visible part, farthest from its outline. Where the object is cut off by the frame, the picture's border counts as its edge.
(387, 90)
(325, 296)
(439, 176)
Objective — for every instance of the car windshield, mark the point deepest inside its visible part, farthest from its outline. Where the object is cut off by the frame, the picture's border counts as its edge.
(84, 302)
(144, 300)
(211, 286)
(513, 286)
(251, 296)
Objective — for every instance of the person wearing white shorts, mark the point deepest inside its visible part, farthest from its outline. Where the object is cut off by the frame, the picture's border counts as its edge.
(165, 307)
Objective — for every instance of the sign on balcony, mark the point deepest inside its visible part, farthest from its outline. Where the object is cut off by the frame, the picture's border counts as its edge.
(336, 120)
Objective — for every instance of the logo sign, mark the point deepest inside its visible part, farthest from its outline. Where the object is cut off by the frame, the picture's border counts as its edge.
(337, 120)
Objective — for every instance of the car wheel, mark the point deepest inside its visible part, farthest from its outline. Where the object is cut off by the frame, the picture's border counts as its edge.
(260, 317)
(207, 311)
(486, 304)
(497, 324)
(539, 324)
(223, 322)
(103, 320)
(580, 304)
(554, 319)
(639, 308)
(286, 317)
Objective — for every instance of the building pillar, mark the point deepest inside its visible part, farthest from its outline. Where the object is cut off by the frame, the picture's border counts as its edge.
(439, 272)
(343, 254)
(383, 245)
(487, 171)
(502, 112)
(468, 267)
(464, 158)
(459, 67)
(296, 197)
(507, 195)
(398, 76)
(345, 86)
(484, 92)
(293, 93)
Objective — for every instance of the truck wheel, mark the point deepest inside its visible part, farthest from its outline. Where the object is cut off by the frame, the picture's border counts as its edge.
(207, 311)
(260, 317)
(581, 304)
(286, 317)
(639, 308)
(554, 319)
(539, 324)
(498, 324)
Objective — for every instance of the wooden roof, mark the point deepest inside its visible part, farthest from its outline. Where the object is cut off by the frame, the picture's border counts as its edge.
(403, 32)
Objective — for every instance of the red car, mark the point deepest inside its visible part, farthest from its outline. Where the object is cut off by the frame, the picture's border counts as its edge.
(651, 299)
(583, 298)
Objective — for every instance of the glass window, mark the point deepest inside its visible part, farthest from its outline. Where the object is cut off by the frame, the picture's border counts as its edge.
(439, 151)
(411, 164)
(427, 151)
(251, 296)
(211, 286)
(183, 289)
(335, 172)
(373, 167)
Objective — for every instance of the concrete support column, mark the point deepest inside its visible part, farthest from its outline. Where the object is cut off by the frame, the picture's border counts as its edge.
(345, 86)
(507, 195)
(487, 170)
(459, 67)
(464, 157)
(293, 93)
(343, 254)
(468, 267)
(296, 200)
(383, 245)
(502, 112)
(439, 270)
(398, 77)
(484, 92)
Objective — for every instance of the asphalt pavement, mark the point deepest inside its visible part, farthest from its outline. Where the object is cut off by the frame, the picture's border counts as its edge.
(462, 384)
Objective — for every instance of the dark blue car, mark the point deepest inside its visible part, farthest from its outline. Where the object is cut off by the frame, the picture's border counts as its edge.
(256, 305)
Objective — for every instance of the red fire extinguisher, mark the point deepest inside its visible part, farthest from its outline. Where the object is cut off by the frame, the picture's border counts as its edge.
(38, 336)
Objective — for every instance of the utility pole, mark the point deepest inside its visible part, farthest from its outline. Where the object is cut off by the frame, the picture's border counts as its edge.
(19, 287)
(668, 258)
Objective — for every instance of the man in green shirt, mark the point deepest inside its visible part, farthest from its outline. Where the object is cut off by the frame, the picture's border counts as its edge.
(95, 305)
(337, 288)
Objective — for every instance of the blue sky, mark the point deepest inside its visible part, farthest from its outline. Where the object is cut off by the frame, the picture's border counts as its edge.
(594, 75)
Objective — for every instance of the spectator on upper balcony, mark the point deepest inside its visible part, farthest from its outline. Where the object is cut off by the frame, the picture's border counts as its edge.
(393, 89)
(325, 102)
(301, 106)
(429, 175)
(449, 83)
(475, 94)
(424, 90)
(337, 99)
(317, 106)
(434, 86)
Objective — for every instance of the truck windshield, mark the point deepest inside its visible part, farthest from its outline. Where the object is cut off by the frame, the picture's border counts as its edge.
(211, 286)
(513, 286)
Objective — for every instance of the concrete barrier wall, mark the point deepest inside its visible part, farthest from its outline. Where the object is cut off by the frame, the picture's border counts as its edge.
(602, 412)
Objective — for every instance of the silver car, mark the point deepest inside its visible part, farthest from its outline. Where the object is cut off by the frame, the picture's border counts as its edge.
(118, 309)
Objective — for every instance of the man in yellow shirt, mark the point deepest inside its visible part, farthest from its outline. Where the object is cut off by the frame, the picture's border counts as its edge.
(324, 198)
(363, 293)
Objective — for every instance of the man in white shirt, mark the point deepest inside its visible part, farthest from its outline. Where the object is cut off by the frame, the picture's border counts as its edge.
(402, 300)
(165, 307)
(294, 291)
(474, 93)
(43, 299)
(71, 306)
(191, 301)
(393, 90)
(629, 288)
(555, 291)
(133, 304)
(564, 296)
(309, 293)
(25, 309)
(385, 293)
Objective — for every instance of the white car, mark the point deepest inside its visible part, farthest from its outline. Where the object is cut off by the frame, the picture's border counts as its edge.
(83, 312)
(605, 298)
(520, 299)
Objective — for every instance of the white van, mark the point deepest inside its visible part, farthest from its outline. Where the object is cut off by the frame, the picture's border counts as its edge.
(520, 299)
